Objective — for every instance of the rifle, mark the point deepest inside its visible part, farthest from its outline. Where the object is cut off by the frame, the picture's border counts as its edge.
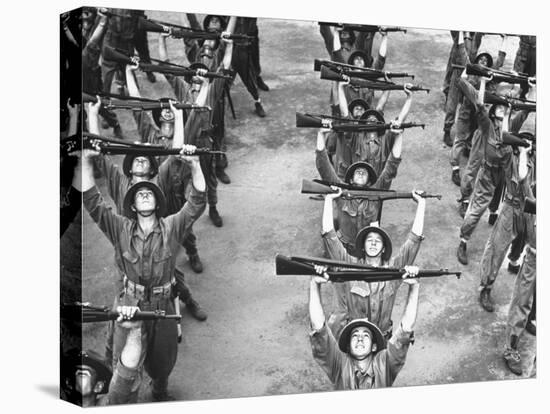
(229, 100)
(371, 194)
(346, 186)
(516, 104)
(86, 313)
(514, 140)
(357, 71)
(139, 104)
(121, 56)
(343, 272)
(309, 121)
(329, 74)
(114, 146)
(365, 27)
(178, 32)
(498, 76)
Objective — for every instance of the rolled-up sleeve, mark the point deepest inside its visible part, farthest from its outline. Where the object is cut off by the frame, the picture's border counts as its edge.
(334, 247)
(408, 251)
(388, 173)
(326, 352)
(325, 168)
(180, 223)
(110, 223)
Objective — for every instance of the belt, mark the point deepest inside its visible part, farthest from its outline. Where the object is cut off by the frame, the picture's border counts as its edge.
(141, 292)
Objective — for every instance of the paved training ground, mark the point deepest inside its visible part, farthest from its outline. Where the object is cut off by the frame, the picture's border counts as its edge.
(255, 341)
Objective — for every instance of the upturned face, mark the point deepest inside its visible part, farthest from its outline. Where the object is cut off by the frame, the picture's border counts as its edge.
(359, 61)
(483, 61)
(374, 244)
(214, 24)
(360, 345)
(360, 176)
(141, 166)
(144, 200)
(85, 378)
(358, 111)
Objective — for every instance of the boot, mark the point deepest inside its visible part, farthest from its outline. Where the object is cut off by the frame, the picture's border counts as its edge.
(259, 110)
(261, 84)
(455, 177)
(492, 218)
(486, 301)
(461, 254)
(195, 310)
(151, 77)
(512, 356)
(195, 263)
(215, 216)
(447, 140)
(222, 176)
(162, 396)
(513, 268)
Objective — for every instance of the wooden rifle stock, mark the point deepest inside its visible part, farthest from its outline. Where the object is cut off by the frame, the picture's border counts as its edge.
(530, 205)
(356, 71)
(366, 28)
(513, 140)
(498, 76)
(84, 313)
(343, 271)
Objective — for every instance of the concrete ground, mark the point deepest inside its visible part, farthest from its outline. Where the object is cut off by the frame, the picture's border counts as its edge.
(255, 341)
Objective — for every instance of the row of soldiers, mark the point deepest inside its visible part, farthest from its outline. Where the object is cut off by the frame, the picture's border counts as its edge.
(157, 198)
(496, 174)
(358, 345)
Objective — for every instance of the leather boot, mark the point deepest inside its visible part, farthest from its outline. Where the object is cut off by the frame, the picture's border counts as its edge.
(261, 84)
(463, 207)
(195, 263)
(492, 218)
(513, 268)
(151, 77)
(486, 301)
(512, 356)
(222, 176)
(461, 254)
(447, 140)
(195, 310)
(531, 327)
(259, 110)
(215, 217)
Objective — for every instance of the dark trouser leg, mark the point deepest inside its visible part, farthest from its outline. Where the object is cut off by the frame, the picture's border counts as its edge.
(497, 195)
(209, 171)
(518, 244)
(243, 65)
(218, 135)
(255, 51)
(190, 243)
(472, 167)
(484, 188)
(533, 313)
(142, 46)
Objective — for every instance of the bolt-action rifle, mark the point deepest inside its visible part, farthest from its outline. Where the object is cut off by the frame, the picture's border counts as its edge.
(357, 71)
(86, 313)
(372, 194)
(343, 272)
(311, 121)
(112, 101)
(498, 75)
(516, 103)
(365, 28)
(329, 74)
(114, 146)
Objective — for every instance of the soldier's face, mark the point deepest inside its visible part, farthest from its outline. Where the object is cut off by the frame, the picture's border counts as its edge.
(360, 176)
(215, 24)
(483, 61)
(359, 61)
(144, 200)
(85, 378)
(360, 343)
(374, 244)
(358, 111)
(141, 166)
(167, 129)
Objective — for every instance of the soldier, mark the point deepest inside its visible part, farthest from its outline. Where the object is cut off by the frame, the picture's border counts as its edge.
(88, 381)
(361, 358)
(142, 45)
(145, 245)
(491, 171)
(361, 299)
(370, 146)
(466, 122)
(522, 305)
(512, 221)
(526, 58)
(353, 215)
(245, 63)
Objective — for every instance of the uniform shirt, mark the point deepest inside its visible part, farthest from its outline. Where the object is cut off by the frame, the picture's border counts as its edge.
(148, 260)
(359, 299)
(496, 154)
(353, 215)
(342, 370)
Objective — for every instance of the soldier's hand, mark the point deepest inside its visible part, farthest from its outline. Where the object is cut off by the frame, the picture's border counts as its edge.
(323, 276)
(395, 127)
(178, 113)
(346, 79)
(73, 109)
(333, 196)
(410, 274)
(135, 63)
(125, 316)
(531, 81)
(94, 107)
(382, 31)
(225, 37)
(186, 154)
(326, 131)
(201, 72)
(407, 90)
(102, 11)
(416, 194)
(487, 78)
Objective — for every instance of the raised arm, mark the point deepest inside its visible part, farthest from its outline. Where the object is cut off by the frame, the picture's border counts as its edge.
(179, 134)
(328, 211)
(74, 115)
(382, 101)
(95, 38)
(324, 167)
(342, 100)
(406, 106)
(133, 89)
(316, 312)
(501, 53)
(418, 224)
(411, 307)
